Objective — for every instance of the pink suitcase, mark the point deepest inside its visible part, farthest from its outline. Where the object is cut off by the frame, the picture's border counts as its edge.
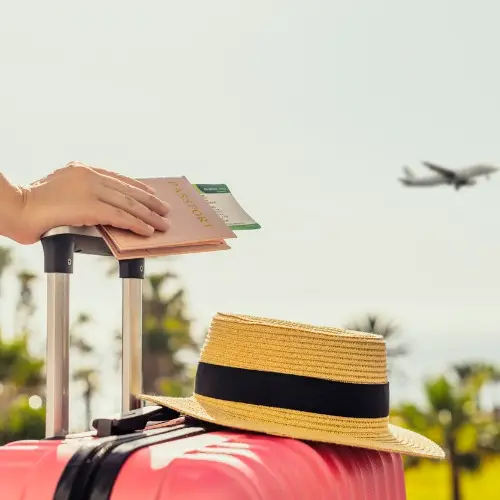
(152, 453)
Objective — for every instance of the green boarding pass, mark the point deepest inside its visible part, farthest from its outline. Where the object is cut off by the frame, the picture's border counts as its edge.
(225, 205)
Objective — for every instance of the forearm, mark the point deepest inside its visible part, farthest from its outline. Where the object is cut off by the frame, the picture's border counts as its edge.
(11, 207)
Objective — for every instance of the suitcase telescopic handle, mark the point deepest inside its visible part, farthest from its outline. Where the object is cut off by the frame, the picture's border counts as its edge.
(59, 247)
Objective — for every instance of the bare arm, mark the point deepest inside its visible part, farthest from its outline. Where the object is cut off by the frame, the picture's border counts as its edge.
(79, 195)
(11, 208)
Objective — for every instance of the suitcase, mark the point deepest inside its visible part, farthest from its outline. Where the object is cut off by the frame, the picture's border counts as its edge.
(153, 453)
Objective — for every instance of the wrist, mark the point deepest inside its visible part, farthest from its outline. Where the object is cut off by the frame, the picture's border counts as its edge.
(12, 208)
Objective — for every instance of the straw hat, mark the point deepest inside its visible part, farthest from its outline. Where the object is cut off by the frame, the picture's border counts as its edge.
(305, 382)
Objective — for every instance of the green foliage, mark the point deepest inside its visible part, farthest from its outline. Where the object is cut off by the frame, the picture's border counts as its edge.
(453, 419)
(166, 333)
(5, 260)
(173, 387)
(22, 422)
(21, 373)
(17, 366)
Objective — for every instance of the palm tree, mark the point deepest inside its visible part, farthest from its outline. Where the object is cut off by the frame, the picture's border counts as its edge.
(76, 339)
(5, 260)
(166, 333)
(474, 376)
(87, 376)
(25, 306)
(451, 407)
(373, 323)
(451, 415)
(21, 375)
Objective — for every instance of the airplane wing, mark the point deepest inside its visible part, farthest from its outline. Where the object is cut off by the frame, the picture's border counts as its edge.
(445, 172)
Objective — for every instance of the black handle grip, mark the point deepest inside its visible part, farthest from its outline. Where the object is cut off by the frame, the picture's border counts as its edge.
(60, 245)
(59, 250)
(135, 420)
(132, 268)
(58, 253)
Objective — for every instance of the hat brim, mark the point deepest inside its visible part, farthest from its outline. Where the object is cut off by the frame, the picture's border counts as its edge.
(301, 425)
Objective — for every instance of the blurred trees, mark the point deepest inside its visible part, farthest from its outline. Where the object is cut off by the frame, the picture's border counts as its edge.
(453, 418)
(20, 377)
(85, 374)
(21, 374)
(453, 415)
(5, 261)
(21, 420)
(166, 337)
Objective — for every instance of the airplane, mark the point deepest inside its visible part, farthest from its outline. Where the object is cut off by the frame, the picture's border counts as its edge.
(458, 178)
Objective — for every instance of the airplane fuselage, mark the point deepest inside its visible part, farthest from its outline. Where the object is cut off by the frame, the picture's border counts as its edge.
(437, 181)
(457, 178)
(424, 181)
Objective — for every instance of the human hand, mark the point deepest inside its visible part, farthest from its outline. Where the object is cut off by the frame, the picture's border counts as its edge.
(80, 195)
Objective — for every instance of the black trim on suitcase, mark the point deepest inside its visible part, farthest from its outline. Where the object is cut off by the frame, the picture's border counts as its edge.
(79, 470)
(75, 465)
(109, 466)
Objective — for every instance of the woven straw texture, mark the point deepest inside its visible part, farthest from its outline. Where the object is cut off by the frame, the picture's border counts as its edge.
(327, 353)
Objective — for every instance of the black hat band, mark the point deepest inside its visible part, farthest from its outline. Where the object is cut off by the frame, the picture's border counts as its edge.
(292, 392)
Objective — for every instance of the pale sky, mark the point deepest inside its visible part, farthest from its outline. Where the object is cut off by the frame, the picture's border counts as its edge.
(307, 110)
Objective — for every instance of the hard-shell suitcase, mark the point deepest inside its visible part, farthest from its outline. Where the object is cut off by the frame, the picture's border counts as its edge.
(153, 453)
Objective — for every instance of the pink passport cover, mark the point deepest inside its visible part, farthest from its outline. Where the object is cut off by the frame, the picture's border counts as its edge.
(194, 225)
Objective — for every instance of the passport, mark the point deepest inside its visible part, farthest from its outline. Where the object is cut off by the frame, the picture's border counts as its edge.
(194, 225)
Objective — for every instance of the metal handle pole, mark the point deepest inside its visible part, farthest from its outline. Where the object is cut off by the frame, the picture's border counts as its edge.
(59, 247)
(58, 265)
(132, 274)
(57, 371)
(131, 344)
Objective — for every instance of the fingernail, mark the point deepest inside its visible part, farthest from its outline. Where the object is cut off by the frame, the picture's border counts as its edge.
(151, 228)
(166, 206)
(152, 190)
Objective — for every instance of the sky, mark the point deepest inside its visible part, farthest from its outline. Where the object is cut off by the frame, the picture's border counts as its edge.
(308, 111)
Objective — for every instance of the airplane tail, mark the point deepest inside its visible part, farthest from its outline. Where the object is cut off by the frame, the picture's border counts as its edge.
(408, 173)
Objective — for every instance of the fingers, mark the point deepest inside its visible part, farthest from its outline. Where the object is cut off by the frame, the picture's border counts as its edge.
(127, 180)
(120, 201)
(146, 199)
(133, 207)
(102, 171)
(108, 215)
